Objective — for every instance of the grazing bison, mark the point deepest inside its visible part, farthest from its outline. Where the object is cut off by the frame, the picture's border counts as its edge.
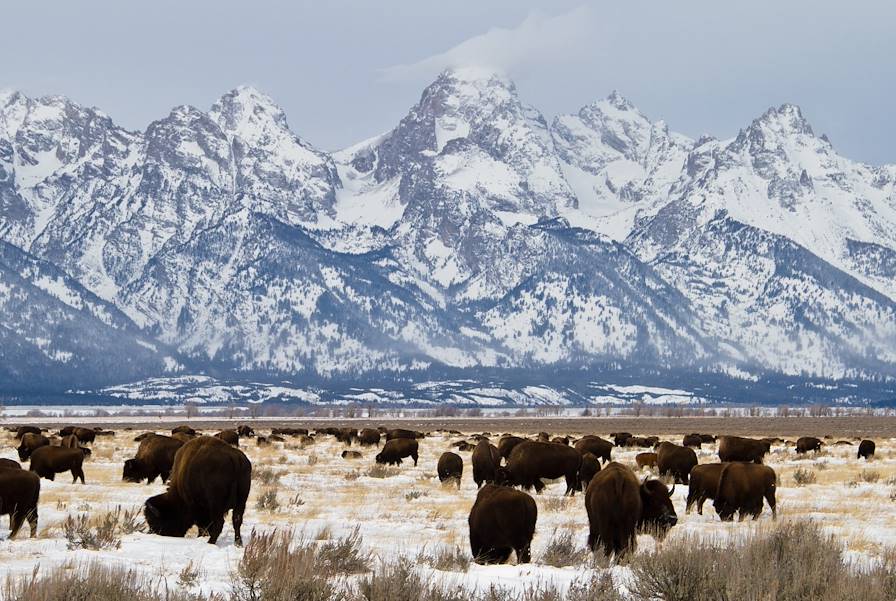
(184, 430)
(618, 507)
(645, 442)
(619, 438)
(531, 461)
(590, 467)
(208, 479)
(502, 520)
(692, 440)
(229, 436)
(85, 435)
(30, 443)
(69, 442)
(450, 467)
(675, 460)
(19, 492)
(465, 446)
(703, 485)
(742, 487)
(866, 449)
(804, 444)
(595, 445)
(707, 438)
(9, 464)
(396, 449)
(735, 448)
(155, 457)
(645, 460)
(245, 430)
(399, 433)
(369, 436)
(543, 437)
(290, 431)
(351, 454)
(486, 460)
(346, 435)
(507, 443)
(23, 430)
(46, 462)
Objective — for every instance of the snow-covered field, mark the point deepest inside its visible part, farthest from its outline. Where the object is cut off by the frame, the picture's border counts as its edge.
(407, 513)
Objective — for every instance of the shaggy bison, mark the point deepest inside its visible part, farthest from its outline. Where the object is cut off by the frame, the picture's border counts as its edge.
(46, 462)
(19, 492)
(590, 467)
(618, 507)
(450, 467)
(369, 436)
(804, 444)
(502, 520)
(155, 457)
(486, 460)
(703, 485)
(866, 449)
(30, 443)
(531, 461)
(645, 460)
(676, 461)
(595, 445)
(397, 449)
(229, 436)
(507, 443)
(208, 479)
(742, 486)
(735, 448)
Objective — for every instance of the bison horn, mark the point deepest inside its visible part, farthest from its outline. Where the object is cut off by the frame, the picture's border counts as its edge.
(672, 492)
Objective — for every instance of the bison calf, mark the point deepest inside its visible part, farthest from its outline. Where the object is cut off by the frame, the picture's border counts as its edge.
(502, 520)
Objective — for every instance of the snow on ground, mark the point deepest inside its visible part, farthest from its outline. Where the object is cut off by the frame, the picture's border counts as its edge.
(408, 512)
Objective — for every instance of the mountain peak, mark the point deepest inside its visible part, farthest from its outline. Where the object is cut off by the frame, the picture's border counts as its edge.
(787, 118)
(473, 73)
(617, 100)
(246, 111)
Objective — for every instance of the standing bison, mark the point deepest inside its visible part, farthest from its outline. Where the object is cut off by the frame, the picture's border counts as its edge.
(692, 440)
(229, 436)
(804, 444)
(703, 485)
(19, 492)
(596, 446)
(502, 520)
(507, 443)
(369, 436)
(645, 460)
(590, 467)
(486, 460)
(397, 449)
(46, 462)
(742, 486)
(619, 507)
(676, 461)
(735, 448)
(866, 450)
(154, 458)
(30, 443)
(208, 479)
(399, 433)
(531, 461)
(450, 467)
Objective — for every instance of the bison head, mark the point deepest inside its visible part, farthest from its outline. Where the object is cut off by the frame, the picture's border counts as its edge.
(133, 471)
(24, 452)
(657, 510)
(166, 515)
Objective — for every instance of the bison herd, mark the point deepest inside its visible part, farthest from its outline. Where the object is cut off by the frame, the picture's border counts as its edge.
(209, 476)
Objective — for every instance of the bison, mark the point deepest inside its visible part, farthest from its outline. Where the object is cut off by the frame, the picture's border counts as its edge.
(184, 430)
(245, 430)
(399, 433)
(595, 445)
(9, 464)
(502, 520)
(30, 443)
(154, 458)
(486, 460)
(692, 440)
(531, 461)
(23, 430)
(703, 485)
(369, 437)
(507, 443)
(19, 493)
(229, 436)
(351, 454)
(675, 460)
(396, 449)
(450, 467)
(46, 462)
(346, 435)
(645, 460)
(735, 448)
(85, 435)
(804, 444)
(866, 449)
(619, 507)
(590, 467)
(208, 479)
(619, 438)
(742, 487)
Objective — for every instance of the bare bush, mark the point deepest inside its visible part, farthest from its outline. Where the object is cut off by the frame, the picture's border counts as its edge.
(379, 470)
(102, 532)
(446, 558)
(562, 550)
(345, 554)
(803, 476)
(398, 580)
(267, 501)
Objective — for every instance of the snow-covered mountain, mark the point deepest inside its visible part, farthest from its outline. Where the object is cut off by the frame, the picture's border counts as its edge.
(472, 236)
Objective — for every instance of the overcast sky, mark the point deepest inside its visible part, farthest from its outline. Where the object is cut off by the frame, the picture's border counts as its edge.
(345, 70)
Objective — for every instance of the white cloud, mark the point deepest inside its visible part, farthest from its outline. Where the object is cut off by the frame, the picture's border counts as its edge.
(539, 40)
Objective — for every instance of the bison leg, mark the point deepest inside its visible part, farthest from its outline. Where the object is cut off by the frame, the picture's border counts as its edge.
(572, 484)
(770, 498)
(539, 485)
(78, 472)
(414, 457)
(700, 504)
(165, 475)
(524, 554)
(151, 477)
(214, 530)
(16, 518)
(237, 519)
(32, 522)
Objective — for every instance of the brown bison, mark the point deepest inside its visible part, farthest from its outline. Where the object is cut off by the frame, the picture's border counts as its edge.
(507, 443)
(465, 446)
(590, 467)
(23, 430)
(184, 430)
(645, 460)
(9, 464)
(707, 438)
(70, 441)
(346, 435)
(866, 449)
(399, 433)
(645, 442)
(676, 461)
(351, 454)
(450, 467)
(742, 486)
(561, 440)
(85, 435)
(502, 520)
(208, 479)
(19, 493)
(245, 430)
(30, 443)
(486, 460)
(183, 437)
(735, 448)
(619, 507)
(703, 485)
(595, 445)
(619, 438)
(369, 436)
(692, 440)
(396, 449)
(804, 444)
(154, 458)
(531, 461)
(46, 462)
(229, 436)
